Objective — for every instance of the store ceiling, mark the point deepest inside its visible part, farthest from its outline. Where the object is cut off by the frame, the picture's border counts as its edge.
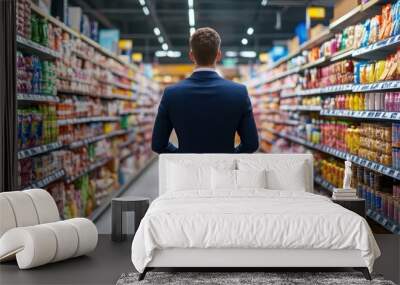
(231, 18)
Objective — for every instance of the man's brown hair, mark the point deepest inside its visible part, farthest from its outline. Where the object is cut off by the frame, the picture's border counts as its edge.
(205, 43)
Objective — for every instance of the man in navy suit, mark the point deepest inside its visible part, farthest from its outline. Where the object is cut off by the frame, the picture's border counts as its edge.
(205, 110)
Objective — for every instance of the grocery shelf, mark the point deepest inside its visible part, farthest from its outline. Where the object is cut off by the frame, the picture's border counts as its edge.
(340, 55)
(37, 98)
(54, 176)
(325, 90)
(288, 95)
(35, 48)
(267, 140)
(323, 183)
(369, 115)
(319, 62)
(379, 49)
(356, 15)
(300, 108)
(128, 142)
(379, 86)
(80, 143)
(283, 122)
(87, 120)
(90, 168)
(266, 90)
(38, 150)
(383, 169)
(123, 157)
(265, 80)
(101, 209)
(384, 221)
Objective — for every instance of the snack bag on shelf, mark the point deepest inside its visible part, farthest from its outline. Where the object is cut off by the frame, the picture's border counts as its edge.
(386, 26)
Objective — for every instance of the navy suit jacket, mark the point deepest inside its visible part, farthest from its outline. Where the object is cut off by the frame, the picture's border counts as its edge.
(206, 111)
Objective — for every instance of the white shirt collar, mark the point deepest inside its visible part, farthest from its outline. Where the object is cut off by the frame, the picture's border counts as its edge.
(204, 69)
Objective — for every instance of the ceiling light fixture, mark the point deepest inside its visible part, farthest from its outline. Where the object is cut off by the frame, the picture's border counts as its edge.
(146, 11)
(142, 2)
(248, 54)
(190, 3)
(170, 53)
(164, 46)
(191, 17)
(192, 30)
(231, 53)
(264, 2)
(244, 41)
(160, 40)
(250, 31)
(156, 31)
(161, 53)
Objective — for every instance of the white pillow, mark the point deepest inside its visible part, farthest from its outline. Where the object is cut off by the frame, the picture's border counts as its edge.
(191, 175)
(223, 179)
(251, 178)
(287, 174)
(226, 179)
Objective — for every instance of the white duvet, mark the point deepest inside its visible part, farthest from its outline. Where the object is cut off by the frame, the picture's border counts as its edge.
(250, 219)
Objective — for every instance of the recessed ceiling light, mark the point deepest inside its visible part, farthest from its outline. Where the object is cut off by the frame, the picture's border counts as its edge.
(264, 2)
(191, 17)
(164, 46)
(192, 30)
(146, 11)
(156, 31)
(161, 53)
(190, 3)
(171, 53)
(248, 54)
(160, 40)
(231, 53)
(244, 41)
(142, 2)
(250, 31)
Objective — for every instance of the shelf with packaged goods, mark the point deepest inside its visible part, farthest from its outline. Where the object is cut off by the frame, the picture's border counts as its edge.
(125, 156)
(87, 120)
(52, 177)
(25, 97)
(90, 168)
(379, 49)
(36, 49)
(100, 209)
(384, 221)
(92, 43)
(80, 143)
(283, 122)
(126, 143)
(369, 115)
(326, 90)
(356, 15)
(265, 139)
(94, 95)
(300, 108)
(323, 183)
(266, 90)
(378, 86)
(33, 151)
(383, 169)
(265, 80)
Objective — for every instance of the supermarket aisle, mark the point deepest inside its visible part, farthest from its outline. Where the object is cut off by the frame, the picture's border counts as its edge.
(146, 185)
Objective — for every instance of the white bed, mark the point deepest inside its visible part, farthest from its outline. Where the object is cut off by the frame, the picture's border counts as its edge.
(249, 227)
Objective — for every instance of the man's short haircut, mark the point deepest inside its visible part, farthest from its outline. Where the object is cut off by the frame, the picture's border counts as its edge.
(205, 43)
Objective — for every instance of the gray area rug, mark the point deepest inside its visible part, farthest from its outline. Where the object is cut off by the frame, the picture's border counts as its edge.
(243, 278)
